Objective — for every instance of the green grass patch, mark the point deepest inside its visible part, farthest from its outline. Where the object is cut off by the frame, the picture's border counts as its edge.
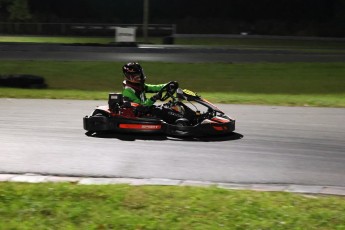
(314, 84)
(314, 100)
(68, 40)
(69, 206)
(52, 39)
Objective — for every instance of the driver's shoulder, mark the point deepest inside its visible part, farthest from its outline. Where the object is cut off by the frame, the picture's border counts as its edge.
(128, 89)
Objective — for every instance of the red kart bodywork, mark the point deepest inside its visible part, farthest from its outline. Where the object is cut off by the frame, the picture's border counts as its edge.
(127, 119)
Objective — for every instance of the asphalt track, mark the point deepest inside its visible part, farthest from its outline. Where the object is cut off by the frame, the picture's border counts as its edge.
(272, 144)
(162, 53)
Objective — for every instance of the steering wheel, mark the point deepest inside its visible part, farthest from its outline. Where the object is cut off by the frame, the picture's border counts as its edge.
(168, 90)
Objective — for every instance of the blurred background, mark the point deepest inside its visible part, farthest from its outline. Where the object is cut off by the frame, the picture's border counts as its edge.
(256, 49)
(323, 18)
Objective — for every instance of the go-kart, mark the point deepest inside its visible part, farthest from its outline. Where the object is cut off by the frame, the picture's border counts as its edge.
(121, 115)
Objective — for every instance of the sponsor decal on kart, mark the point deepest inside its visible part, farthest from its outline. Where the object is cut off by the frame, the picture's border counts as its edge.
(140, 126)
(189, 92)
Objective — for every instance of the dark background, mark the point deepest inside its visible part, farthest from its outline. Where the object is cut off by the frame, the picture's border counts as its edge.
(266, 17)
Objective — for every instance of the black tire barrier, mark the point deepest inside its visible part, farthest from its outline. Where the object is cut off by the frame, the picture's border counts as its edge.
(23, 81)
(169, 40)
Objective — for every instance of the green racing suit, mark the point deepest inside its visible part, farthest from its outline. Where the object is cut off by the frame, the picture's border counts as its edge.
(138, 94)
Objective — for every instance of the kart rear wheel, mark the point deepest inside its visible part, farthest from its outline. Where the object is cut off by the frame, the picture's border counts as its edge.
(100, 113)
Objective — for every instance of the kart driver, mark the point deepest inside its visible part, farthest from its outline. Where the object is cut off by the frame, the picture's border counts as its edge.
(135, 89)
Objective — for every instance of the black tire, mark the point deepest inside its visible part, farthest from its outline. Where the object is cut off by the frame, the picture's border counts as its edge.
(100, 113)
(182, 122)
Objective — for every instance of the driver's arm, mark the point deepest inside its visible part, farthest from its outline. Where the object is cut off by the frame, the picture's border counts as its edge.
(153, 88)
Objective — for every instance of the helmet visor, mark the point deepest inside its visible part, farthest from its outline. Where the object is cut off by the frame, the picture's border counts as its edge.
(134, 77)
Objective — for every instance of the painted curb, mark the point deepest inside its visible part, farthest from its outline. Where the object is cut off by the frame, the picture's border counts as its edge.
(292, 188)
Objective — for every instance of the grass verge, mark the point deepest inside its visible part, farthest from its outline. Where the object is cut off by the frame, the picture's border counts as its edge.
(68, 40)
(313, 84)
(69, 206)
(314, 100)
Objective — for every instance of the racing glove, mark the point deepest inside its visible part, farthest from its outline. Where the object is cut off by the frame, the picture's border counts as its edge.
(173, 85)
